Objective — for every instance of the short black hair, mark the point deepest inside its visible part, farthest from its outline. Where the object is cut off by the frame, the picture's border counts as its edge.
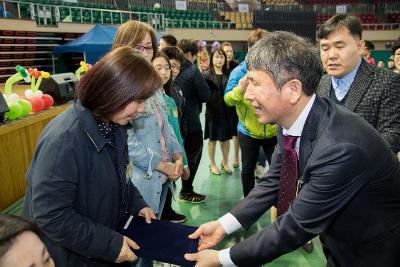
(188, 46)
(338, 21)
(369, 45)
(169, 39)
(395, 46)
(174, 52)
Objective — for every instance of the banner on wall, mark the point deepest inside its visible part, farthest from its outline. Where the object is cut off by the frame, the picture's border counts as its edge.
(341, 9)
(243, 8)
(180, 5)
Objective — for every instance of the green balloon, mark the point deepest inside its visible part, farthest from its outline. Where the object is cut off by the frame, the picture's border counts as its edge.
(15, 111)
(26, 107)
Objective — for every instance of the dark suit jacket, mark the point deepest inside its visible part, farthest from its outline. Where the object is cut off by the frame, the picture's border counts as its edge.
(351, 194)
(375, 96)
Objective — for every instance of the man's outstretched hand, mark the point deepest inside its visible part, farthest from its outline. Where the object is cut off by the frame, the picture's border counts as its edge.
(210, 234)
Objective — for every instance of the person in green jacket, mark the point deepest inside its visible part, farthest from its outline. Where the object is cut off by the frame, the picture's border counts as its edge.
(252, 134)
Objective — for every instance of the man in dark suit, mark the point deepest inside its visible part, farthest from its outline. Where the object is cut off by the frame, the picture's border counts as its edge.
(369, 91)
(331, 173)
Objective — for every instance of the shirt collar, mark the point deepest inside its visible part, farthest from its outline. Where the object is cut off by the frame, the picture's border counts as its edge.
(347, 80)
(298, 125)
(90, 126)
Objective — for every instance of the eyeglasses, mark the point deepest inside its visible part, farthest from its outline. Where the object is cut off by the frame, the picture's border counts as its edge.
(162, 67)
(142, 48)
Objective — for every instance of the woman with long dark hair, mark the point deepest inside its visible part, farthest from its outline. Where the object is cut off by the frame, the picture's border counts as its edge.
(232, 63)
(218, 126)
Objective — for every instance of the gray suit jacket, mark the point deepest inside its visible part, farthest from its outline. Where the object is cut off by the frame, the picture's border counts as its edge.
(351, 195)
(375, 96)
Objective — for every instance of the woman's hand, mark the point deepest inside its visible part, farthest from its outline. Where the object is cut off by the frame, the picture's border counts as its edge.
(126, 253)
(148, 214)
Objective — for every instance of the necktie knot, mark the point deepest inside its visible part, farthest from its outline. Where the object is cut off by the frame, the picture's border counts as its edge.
(289, 142)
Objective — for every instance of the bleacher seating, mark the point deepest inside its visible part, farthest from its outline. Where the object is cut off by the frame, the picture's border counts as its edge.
(368, 18)
(200, 13)
(204, 1)
(32, 9)
(332, 2)
(181, 18)
(31, 49)
(105, 11)
(393, 17)
(365, 18)
(280, 2)
(175, 14)
(241, 20)
(384, 1)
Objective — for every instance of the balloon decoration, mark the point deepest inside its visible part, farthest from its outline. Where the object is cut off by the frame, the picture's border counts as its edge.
(18, 107)
(82, 69)
(216, 45)
(38, 100)
(33, 101)
(203, 59)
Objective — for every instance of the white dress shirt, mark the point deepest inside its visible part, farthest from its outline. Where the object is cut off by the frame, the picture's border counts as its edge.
(228, 221)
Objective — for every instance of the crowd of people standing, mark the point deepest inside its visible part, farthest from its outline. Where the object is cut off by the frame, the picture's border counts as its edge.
(134, 131)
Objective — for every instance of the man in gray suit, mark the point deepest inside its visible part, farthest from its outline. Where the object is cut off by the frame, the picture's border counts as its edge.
(371, 92)
(331, 174)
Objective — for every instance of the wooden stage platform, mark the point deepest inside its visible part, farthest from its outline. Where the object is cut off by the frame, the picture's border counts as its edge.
(17, 144)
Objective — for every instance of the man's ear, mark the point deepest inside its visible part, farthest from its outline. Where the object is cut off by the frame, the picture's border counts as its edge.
(296, 90)
(361, 43)
(360, 46)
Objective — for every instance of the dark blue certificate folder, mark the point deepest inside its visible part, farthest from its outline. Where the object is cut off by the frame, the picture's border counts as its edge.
(161, 240)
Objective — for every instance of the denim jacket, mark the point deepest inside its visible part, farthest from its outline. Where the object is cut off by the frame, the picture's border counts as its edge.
(144, 148)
